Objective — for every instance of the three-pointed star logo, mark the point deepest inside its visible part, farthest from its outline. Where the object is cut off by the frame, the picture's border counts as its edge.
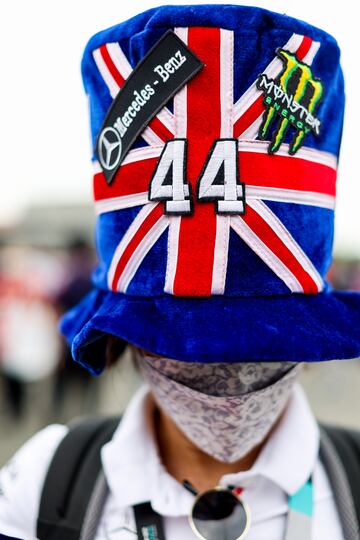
(110, 147)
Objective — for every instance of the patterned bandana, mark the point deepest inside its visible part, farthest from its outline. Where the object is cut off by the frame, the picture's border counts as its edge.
(224, 409)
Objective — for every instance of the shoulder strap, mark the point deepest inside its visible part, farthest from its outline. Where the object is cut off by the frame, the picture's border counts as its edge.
(71, 478)
(346, 444)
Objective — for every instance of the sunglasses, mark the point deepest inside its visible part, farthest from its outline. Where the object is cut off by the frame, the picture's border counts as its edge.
(218, 514)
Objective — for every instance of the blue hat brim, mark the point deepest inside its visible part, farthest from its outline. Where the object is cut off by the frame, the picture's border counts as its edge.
(298, 328)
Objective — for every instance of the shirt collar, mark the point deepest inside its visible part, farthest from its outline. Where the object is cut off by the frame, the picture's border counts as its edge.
(135, 474)
(289, 456)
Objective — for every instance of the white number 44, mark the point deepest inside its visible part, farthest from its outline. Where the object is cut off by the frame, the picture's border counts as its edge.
(218, 181)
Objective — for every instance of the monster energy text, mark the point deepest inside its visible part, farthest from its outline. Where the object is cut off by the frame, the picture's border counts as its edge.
(294, 96)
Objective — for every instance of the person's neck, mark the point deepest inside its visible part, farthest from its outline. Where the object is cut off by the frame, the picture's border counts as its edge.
(185, 461)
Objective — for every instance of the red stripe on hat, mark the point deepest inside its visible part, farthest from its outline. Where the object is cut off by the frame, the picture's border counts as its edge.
(198, 232)
(267, 235)
(249, 117)
(130, 179)
(144, 228)
(286, 172)
(304, 48)
(160, 129)
(119, 79)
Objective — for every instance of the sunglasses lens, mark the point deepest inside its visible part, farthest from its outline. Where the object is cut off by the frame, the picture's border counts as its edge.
(219, 515)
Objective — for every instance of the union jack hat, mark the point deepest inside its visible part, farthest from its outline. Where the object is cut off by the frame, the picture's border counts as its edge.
(214, 233)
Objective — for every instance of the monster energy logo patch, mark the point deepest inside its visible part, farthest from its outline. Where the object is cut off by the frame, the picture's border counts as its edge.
(294, 97)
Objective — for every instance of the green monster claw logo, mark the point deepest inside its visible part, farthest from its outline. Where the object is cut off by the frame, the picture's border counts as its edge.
(294, 96)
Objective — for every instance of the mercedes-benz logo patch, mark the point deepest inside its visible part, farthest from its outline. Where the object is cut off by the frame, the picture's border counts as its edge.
(110, 147)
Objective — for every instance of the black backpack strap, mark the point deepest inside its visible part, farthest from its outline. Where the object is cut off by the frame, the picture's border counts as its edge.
(340, 453)
(347, 444)
(95, 508)
(71, 479)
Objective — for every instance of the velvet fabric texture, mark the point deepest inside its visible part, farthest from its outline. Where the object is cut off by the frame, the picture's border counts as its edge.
(257, 314)
(294, 328)
(257, 33)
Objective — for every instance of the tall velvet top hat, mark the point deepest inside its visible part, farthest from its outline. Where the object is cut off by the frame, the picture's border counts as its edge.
(216, 134)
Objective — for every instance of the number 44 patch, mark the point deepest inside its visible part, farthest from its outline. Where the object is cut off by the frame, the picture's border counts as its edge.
(218, 181)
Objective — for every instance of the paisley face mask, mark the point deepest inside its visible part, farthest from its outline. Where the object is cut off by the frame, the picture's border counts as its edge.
(224, 409)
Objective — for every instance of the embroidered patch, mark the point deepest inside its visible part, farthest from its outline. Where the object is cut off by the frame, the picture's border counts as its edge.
(166, 68)
(294, 95)
(218, 181)
(169, 183)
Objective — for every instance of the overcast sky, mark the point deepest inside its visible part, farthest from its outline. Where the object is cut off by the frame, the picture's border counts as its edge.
(44, 139)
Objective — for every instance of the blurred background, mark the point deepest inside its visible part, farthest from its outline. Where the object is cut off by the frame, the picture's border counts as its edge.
(46, 216)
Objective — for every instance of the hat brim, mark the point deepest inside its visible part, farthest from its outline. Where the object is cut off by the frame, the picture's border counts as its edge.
(297, 328)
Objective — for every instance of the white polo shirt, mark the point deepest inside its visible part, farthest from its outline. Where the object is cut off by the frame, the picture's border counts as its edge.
(135, 474)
